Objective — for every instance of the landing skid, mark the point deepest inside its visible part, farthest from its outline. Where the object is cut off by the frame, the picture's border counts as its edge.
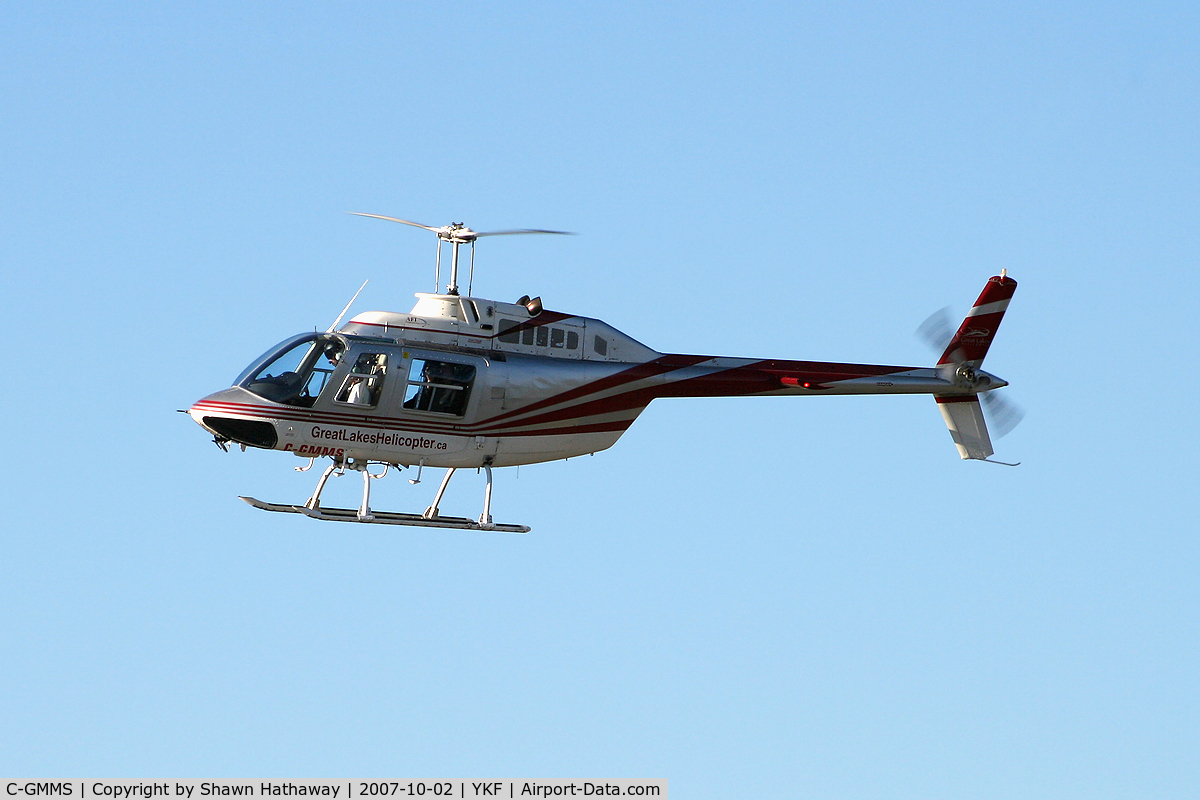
(432, 518)
(386, 517)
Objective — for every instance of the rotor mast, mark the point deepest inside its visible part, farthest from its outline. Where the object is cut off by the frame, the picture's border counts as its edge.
(455, 241)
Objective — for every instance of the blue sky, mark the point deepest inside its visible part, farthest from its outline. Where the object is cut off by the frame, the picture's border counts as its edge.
(791, 597)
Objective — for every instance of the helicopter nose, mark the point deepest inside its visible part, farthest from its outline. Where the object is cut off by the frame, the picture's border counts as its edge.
(226, 415)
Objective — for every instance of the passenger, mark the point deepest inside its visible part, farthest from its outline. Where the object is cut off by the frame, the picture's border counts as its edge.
(360, 392)
(362, 387)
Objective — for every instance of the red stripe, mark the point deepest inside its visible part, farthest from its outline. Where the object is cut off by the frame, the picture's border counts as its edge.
(964, 347)
(648, 369)
(394, 424)
(997, 289)
(753, 378)
(765, 376)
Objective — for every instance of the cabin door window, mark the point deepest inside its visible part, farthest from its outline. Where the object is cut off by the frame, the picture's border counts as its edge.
(364, 384)
(441, 387)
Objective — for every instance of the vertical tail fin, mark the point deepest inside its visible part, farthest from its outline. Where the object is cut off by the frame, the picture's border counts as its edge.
(970, 344)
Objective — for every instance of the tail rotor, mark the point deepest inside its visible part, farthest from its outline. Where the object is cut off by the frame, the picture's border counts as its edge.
(1003, 415)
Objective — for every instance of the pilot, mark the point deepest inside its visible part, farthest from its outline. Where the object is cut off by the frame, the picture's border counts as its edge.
(445, 400)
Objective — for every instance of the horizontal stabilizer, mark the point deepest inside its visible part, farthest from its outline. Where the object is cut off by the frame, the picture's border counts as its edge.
(967, 427)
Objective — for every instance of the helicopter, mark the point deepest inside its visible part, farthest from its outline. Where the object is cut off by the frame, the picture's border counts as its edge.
(465, 382)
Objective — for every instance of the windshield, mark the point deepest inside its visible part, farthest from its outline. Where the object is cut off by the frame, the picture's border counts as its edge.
(296, 370)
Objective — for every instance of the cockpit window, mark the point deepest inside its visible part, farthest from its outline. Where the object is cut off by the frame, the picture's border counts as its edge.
(365, 381)
(295, 371)
(439, 386)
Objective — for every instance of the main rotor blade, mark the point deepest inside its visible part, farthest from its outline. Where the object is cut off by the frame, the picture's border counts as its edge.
(526, 230)
(1004, 414)
(395, 219)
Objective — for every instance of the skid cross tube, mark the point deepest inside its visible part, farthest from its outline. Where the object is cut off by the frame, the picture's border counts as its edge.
(314, 502)
(485, 519)
(364, 511)
(432, 511)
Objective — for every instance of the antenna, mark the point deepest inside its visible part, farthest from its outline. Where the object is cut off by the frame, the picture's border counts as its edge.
(456, 233)
(347, 308)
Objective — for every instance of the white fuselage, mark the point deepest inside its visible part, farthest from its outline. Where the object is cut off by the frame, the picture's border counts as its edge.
(468, 382)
